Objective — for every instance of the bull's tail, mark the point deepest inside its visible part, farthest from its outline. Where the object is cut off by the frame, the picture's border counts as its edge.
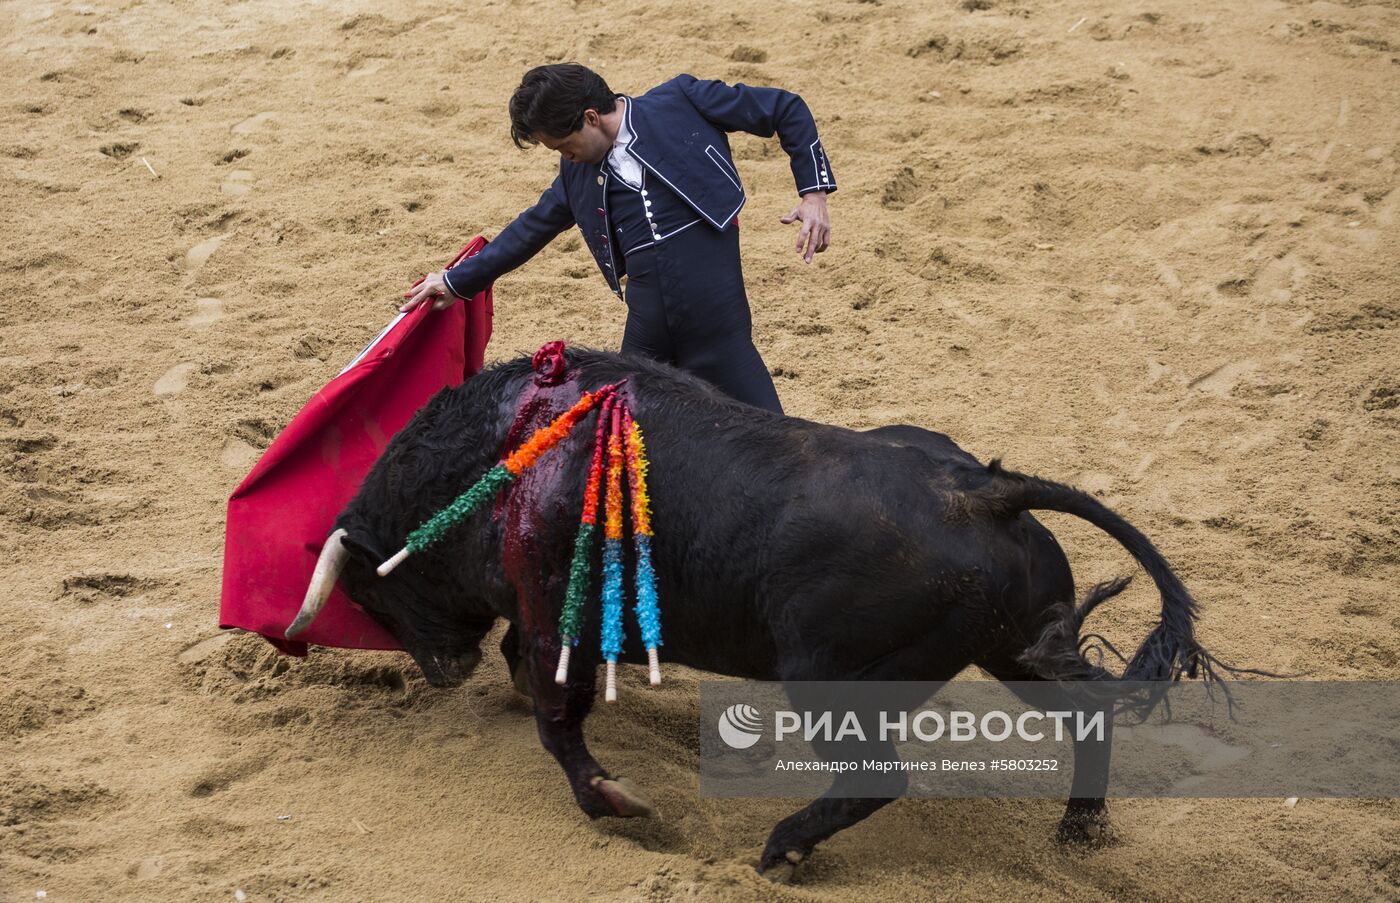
(1170, 651)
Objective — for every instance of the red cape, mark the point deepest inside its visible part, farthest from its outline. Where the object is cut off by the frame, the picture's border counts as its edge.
(282, 512)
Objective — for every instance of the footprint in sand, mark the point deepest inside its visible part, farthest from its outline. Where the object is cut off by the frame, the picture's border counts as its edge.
(201, 650)
(146, 869)
(197, 256)
(1169, 277)
(225, 775)
(252, 123)
(174, 380)
(207, 312)
(239, 454)
(363, 67)
(1223, 379)
(238, 183)
(1092, 481)
(1279, 279)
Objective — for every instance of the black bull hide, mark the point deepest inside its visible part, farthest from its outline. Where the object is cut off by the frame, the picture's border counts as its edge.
(784, 550)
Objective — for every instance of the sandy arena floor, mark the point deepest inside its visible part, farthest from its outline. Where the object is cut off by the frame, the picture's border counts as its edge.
(1147, 247)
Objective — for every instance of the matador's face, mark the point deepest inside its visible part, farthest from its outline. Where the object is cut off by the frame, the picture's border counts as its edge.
(589, 144)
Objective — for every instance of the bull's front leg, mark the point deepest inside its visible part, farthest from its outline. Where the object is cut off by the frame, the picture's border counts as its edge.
(559, 715)
(515, 663)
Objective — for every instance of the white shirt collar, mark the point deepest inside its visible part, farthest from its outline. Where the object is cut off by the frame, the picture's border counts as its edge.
(623, 163)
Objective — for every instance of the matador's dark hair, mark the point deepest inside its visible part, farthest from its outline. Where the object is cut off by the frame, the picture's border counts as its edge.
(551, 100)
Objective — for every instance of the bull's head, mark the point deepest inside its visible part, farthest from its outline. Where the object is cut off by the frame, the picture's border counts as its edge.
(420, 609)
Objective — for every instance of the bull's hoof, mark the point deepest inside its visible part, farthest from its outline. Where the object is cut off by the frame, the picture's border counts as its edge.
(624, 798)
(446, 669)
(1085, 830)
(780, 868)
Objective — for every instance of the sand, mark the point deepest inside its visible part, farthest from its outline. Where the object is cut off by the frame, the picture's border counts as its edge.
(1148, 248)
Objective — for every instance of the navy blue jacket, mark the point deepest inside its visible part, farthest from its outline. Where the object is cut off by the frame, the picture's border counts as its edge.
(679, 130)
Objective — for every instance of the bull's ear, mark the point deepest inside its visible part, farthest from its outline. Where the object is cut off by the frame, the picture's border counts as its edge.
(361, 548)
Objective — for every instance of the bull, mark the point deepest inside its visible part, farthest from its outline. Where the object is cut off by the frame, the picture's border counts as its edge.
(786, 550)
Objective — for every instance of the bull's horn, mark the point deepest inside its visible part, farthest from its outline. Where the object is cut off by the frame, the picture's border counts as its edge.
(328, 568)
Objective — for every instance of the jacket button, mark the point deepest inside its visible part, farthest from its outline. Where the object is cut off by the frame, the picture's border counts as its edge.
(600, 180)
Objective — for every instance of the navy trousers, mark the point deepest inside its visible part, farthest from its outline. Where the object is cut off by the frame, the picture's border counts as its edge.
(686, 306)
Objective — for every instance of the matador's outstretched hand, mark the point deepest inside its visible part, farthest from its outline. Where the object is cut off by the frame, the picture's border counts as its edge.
(815, 233)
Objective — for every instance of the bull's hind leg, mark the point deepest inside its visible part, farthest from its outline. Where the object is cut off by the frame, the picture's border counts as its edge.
(559, 715)
(795, 836)
(1086, 814)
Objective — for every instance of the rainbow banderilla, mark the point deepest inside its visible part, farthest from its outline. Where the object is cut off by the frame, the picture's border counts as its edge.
(617, 445)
